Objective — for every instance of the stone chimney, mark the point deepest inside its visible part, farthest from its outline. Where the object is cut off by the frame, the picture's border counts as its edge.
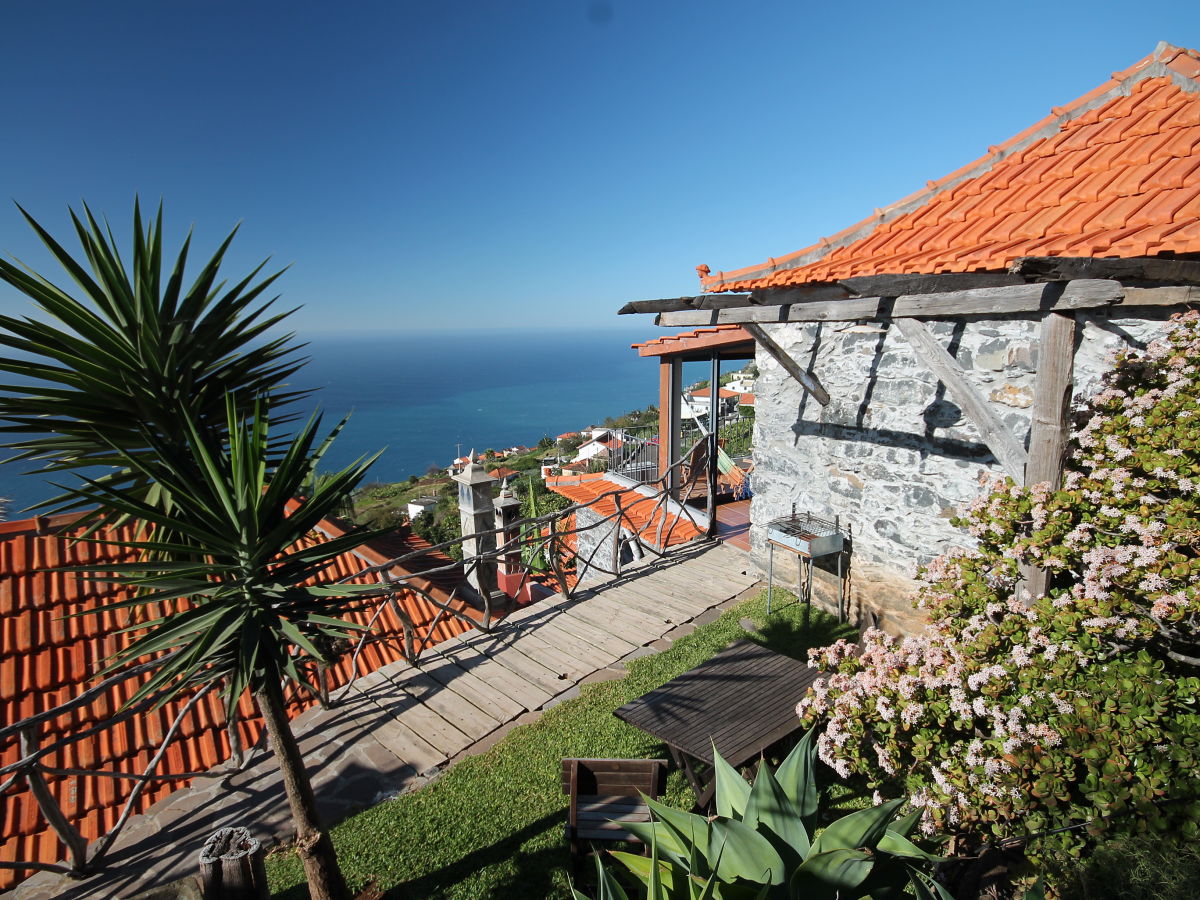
(509, 573)
(476, 513)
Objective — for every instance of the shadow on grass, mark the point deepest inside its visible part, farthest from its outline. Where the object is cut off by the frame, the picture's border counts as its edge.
(534, 870)
(796, 633)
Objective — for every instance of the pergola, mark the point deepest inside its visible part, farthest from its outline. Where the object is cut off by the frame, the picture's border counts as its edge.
(714, 345)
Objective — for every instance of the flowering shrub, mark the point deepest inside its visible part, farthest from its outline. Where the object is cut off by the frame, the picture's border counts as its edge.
(1013, 715)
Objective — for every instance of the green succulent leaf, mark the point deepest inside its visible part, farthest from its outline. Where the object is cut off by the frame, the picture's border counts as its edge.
(775, 816)
(831, 873)
(732, 790)
(797, 777)
(607, 887)
(738, 851)
(926, 888)
(641, 868)
(896, 845)
(859, 829)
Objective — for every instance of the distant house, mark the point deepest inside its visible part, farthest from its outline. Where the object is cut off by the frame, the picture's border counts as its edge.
(421, 505)
(503, 472)
(696, 404)
(456, 467)
(602, 444)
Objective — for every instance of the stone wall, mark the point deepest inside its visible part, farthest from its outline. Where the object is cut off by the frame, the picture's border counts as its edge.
(892, 455)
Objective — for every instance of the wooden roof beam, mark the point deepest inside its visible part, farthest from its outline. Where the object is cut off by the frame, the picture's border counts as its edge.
(987, 301)
(1146, 268)
(772, 296)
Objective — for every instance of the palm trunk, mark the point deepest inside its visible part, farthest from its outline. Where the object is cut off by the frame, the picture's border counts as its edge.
(325, 881)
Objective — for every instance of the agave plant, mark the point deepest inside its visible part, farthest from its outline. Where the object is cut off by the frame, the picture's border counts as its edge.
(762, 845)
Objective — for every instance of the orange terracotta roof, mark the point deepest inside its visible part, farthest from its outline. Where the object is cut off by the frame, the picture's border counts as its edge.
(503, 472)
(50, 654)
(721, 392)
(1114, 173)
(700, 339)
(643, 512)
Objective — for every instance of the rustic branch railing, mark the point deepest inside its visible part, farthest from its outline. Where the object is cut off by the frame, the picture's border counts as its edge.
(547, 537)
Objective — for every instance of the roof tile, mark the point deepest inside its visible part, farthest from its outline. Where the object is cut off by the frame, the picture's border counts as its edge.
(1115, 178)
(49, 653)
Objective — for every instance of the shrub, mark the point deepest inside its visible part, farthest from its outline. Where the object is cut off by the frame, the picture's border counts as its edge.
(1136, 868)
(1013, 715)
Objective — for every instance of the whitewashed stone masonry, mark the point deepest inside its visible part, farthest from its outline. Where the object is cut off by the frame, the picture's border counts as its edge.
(892, 454)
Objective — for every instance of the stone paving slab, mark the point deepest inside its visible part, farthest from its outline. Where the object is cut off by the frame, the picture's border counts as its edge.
(390, 732)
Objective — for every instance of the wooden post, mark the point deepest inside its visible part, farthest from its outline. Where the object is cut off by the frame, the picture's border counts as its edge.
(714, 424)
(670, 373)
(1050, 427)
(616, 545)
(231, 866)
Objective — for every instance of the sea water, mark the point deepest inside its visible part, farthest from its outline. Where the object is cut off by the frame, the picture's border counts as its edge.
(429, 397)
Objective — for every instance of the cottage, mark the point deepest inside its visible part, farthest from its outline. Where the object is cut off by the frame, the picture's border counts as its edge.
(916, 356)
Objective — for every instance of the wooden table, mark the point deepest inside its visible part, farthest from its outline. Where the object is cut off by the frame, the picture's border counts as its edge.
(743, 700)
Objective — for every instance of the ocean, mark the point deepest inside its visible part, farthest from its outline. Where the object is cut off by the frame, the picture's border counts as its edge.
(428, 397)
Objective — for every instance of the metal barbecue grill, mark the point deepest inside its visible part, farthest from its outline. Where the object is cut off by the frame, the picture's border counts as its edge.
(808, 536)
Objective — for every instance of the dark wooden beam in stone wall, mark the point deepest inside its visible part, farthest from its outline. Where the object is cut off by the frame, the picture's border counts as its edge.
(1050, 427)
(1060, 268)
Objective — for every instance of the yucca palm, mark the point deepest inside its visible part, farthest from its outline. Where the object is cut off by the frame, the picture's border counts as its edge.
(257, 602)
(107, 369)
(171, 392)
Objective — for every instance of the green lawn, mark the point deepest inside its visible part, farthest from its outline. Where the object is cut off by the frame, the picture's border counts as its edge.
(491, 827)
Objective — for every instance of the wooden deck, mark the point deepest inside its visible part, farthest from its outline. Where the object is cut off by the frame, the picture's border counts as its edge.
(399, 725)
(468, 687)
(733, 524)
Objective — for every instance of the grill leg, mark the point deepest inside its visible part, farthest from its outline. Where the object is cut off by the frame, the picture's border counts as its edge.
(770, 573)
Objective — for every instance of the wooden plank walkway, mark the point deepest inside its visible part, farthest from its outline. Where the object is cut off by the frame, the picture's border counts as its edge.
(401, 723)
(479, 681)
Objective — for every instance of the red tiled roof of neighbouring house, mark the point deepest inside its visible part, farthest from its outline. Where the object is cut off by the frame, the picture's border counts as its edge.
(503, 472)
(721, 392)
(1114, 173)
(567, 435)
(745, 399)
(50, 654)
(700, 339)
(642, 513)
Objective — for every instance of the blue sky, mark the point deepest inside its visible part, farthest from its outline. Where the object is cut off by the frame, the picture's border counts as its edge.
(516, 165)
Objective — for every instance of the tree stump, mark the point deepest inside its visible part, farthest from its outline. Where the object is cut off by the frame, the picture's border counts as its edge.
(231, 866)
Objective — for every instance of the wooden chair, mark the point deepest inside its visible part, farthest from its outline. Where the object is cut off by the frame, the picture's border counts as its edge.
(604, 793)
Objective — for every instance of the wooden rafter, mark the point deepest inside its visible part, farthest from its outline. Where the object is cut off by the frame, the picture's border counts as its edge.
(1003, 444)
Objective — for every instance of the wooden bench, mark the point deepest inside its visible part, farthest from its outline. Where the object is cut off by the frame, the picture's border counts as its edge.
(604, 793)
